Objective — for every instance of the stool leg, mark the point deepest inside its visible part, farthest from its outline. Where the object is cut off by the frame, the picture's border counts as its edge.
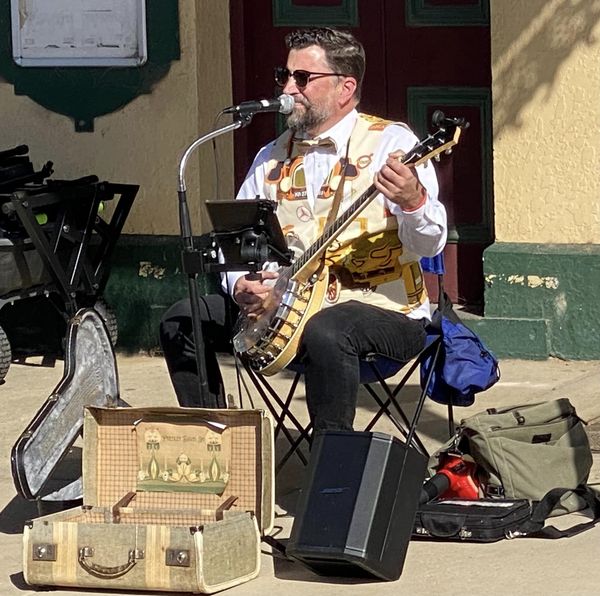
(421, 403)
(304, 436)
(410, 436)
(451, 429)
(261, 385)
(388, 401)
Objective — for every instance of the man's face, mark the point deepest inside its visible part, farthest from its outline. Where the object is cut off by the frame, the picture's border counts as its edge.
(316, 105)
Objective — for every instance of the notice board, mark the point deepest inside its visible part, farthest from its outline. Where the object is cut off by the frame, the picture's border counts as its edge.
(79, 32)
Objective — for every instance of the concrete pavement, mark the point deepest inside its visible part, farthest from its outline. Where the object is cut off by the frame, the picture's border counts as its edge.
(522, 566)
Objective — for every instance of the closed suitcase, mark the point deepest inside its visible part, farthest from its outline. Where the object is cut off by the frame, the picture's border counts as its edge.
(484, 520)
(175, 499)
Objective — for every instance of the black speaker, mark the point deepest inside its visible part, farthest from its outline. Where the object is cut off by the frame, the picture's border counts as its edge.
(355, 516)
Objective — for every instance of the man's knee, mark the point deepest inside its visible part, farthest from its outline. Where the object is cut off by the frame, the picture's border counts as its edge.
(321, 332)
(330, 326)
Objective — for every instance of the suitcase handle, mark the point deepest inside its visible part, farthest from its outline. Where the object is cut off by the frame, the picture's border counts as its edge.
(102, 571)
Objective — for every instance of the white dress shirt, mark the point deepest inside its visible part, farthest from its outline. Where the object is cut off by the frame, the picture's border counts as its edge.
(422, 231)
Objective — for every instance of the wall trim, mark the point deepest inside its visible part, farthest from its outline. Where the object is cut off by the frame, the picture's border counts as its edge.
(419, 100)
(539, 298)
(287, 14)
(146, 277)
(553, 284)
(419, 13)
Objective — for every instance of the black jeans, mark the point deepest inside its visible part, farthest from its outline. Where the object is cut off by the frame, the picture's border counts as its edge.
(333, 342)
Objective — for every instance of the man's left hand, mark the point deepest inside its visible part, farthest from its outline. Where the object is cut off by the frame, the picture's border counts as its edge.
(400, 184)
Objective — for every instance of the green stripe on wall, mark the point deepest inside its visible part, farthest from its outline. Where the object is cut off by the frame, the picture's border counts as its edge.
(552, 284)
(145, 279)
(540, 299)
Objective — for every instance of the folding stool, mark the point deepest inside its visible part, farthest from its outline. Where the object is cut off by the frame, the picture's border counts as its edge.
(375, 370)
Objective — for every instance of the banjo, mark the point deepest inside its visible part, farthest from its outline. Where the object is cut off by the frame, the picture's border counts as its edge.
(269, 342)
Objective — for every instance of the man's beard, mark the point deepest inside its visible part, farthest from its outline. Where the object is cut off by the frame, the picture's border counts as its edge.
(308, 119)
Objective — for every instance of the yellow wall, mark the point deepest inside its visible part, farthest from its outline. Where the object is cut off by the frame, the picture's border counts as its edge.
(143, 142)
(546, 104)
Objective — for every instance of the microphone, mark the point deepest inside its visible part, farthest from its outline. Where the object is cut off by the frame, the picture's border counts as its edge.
(283, 104)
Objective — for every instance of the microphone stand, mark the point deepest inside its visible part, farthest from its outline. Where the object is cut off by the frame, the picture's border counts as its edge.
(192, 260)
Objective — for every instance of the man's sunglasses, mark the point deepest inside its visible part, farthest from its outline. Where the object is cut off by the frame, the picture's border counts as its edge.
(302, 77)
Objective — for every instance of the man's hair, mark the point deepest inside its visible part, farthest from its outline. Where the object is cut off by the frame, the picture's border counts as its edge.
(343, 52)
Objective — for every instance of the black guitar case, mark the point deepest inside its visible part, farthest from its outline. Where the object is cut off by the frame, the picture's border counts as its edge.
(89, 379)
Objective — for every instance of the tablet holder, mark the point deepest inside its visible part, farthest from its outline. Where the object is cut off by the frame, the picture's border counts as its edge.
(247, 233)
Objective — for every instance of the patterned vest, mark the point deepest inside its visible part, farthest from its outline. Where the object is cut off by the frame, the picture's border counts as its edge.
(368, 254)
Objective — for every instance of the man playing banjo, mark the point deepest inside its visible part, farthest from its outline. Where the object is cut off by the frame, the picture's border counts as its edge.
(373, 297)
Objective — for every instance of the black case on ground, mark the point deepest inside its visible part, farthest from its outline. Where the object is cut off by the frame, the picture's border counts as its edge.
(356, 514)
(484, 520)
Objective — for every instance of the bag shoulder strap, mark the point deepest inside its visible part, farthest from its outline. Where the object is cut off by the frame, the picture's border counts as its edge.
(534, 527)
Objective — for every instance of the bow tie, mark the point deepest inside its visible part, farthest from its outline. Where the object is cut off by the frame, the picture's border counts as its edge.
(303, 145)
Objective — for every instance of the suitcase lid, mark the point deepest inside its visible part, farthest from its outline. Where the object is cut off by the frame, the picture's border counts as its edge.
(89, 378)
(172, 458)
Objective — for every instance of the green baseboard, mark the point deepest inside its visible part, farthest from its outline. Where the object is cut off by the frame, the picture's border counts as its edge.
(525, 339)
(541, 300)
(145, 279)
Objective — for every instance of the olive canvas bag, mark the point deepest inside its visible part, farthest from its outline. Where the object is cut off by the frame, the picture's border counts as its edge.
(535, 453)
(523, 452)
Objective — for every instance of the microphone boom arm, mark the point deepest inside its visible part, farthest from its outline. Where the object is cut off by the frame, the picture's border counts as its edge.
(207, 400)
(207, 137)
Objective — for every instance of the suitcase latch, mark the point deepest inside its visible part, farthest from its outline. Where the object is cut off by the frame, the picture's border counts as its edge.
(176, 557)
(44, 552)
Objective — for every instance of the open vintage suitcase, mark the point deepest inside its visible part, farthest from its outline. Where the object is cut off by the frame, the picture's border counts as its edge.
(175, 499)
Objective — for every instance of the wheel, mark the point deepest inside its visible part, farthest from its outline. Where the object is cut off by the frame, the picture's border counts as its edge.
(5, 354)
(110, 319)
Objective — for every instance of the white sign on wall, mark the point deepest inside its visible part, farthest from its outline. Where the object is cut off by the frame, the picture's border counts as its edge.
(79, 32)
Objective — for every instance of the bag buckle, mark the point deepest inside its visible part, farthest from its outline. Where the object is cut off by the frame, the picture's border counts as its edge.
(455, 441)
(519, 418)
(491, 490)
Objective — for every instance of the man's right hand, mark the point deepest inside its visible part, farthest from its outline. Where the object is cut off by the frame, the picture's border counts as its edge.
(250, 291)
